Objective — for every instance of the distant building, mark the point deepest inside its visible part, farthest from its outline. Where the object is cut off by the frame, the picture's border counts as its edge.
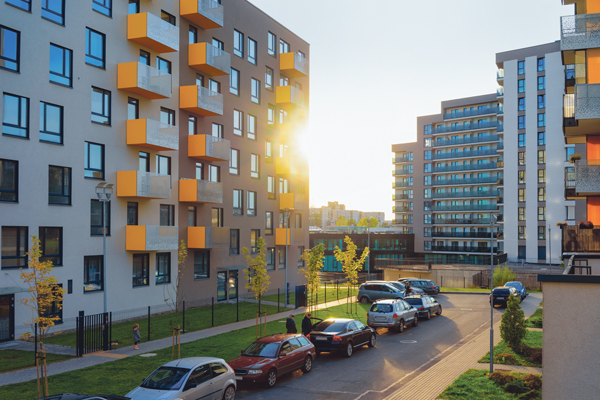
(327, 215)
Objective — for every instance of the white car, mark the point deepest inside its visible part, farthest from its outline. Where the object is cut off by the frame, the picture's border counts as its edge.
(191, 378)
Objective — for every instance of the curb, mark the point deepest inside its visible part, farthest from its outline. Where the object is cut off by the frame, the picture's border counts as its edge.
(485, 293)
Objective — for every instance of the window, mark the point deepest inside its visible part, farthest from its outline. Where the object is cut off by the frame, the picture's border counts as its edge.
(238, 118)
(61, 65)
(165, 16)
(193, 35)
(268, 151)
(199, 80)
(254, 236)
(570, 212)
(284, 47)
(163, 268)
(234, 241)
(541, 213)
(521, 86)
(427, 179)
(51, 123)
(271, 115)
(167, 116)
(522, 214)
(542, 101)
(167, 215)
(163, 165)
(144, 161)
(522, 141)
(282, 258)
(234, 162)
(427, 154)
(22, 4)
(570, 175)
(15, 121)
(521, 119)
(427, 129)
(427, 193)
(95, 48)
(10, 49)
(94, 160)
(541, 232)
(270, 258)
(541, 64)
(93, 273)
(217, 130)
(238, 43)
(541, 82)
(284, 80)
(522, 252)
(522, 232)
(521, 67)
(252, 51)
(522, 158)
(98, 219)
(251, 134)
(270, 187)
(283, 114)
(269, 223)
(217, 217)
(217, 43)
(569, 151)
(300, 259)
(541, 138)
(541, 156)
(214, 86)
(100, 106)
(269, 79)
(132, 213)
(541, 176)
(272, 44)
(427, 218)
(140, 269)
(9, 181)
(255, 96)
(522, 195)
(192, 125)
(521, 177)
(201, 264)
(238, 206)
(428, 142)
(14, 246)
(234, 82)
(522, 103)
(144, 57)
(102, 6)
(214, 173)
(254, 166)
(252, 204)
(133, 108)
(541, 194)
(59, 185)
(541, 120)
(51, 245)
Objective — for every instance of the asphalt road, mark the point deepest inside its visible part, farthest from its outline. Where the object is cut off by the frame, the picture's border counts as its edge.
(373, 373)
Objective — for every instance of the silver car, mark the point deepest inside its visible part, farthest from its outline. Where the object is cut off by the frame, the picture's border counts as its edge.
(392, 314)
(191, 378)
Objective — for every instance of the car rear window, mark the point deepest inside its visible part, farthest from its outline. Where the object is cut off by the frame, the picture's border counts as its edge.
(381, 308)
(330, 326)
(303, 340)
(502, 292)
(413, 302)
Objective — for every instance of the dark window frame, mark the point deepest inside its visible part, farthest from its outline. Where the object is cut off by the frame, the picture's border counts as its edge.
(106, 108)
(89, 57)
(144, 279)
(254, 236)
(162, 277)
(202, 260)
(96, 229)
(240, 199)
(86, 274)
(66, 185)
(234, 236)
(87, 161)
(58, 256)
(19, 116)
(251, 212)
(272, 44)
(20, 248)
(20, 4)
(132, 205)
(15, 183)
(239, 50)
(43, 124)
(67, 67)
(17, 60)
(47, 12)
(252, 58)
(234, 82)
(103, 7)
(269, 217)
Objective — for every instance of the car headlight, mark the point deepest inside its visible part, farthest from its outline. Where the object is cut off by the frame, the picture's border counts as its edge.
(254, 371)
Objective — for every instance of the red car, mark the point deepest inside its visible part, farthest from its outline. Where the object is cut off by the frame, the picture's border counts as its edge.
(274, 355)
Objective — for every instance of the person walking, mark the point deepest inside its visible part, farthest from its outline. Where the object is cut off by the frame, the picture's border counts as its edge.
(290, 324)
(306, 324)
(136, 336)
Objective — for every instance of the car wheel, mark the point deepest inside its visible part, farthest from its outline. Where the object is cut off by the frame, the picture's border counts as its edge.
(439, 310)
(428, 315)
(373, 340)
(271, 378)
(364, 300)
(416, 320)
(400, 328)
(229, 393)
(307, 366)
(349, 349)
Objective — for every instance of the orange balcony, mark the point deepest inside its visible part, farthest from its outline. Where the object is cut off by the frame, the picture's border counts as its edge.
(207, 237)
(152, 134)
(200, 100)
(292, 201)
(208, 147)
(290, 166)
(143, 80)
(200, 191)
(209, 59)
(143, 185)
(206, 13)
(289, 96)
(293, 64)
(150, 238)
(152, 32)
(294, 236)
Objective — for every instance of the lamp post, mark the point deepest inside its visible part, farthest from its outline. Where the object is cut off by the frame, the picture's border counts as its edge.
(368, 255)
(286, 216)
(550, 246)
(104, 191)
(492, 216)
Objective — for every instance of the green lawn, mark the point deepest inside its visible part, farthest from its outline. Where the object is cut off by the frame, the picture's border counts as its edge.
(475, 385)
(536, 320)
(321, 297)
(122, 375)
(12, 360)
(161, 326)
(533, 339)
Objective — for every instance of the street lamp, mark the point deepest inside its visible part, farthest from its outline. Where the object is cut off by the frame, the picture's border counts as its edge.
(286, 216)
(104, 191)
(492, 216)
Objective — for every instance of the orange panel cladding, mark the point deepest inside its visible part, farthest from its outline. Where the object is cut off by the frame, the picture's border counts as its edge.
(196, 237)
(189, 10)
(197, 146)
(593, 65)
(136, 132)
(188, 190)
(135, 238)
(593, 6)
(593, 209)
(126, 183)
(127, 75)
(593, 147)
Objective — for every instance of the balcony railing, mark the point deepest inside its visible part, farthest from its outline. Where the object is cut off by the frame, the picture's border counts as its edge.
(153, 32)
(200, 100)
(401, 171)
(400, 221)
(143, 80)
(466, 181)
(293, 201)
(580, 31)
(207, 237)
(399, 196)
(293, 64)
(587, 101)
(208, 147)
(466, 127)
(461, 221)
(200, 191)
(468, 193)
(402, 159)
(294, 236)
(500, 74)
(400, 209)
(208, 14)
(578, 240)
(469, 167)
(500, 92)
(500, 145)
(465, 207)
(464, 249)
(209, 59)
(400, 184)
(472, 153)
(473, 113)
(151, 238)
(152, 134)
(142, 184)
(587, 177)
(289, 96)
(455, 142)
(474, 235)
(288, 165)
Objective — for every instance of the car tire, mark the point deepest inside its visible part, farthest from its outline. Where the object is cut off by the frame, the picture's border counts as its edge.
(428, 315)
(229, 393)
(416, 320)
(307, 366)
(373, 340)
(364, 300)
(349, 349)
(271, 378)
(400, 328)
(439, 310)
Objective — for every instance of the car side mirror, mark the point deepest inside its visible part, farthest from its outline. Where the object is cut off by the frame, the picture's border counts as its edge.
(283, 355)
(191, 385)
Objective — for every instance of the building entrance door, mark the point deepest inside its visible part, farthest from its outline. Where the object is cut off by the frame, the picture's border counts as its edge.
(7, 317)
(222, 286)
(227, 285)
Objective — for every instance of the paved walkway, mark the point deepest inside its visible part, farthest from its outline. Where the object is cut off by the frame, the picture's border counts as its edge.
(30, 346)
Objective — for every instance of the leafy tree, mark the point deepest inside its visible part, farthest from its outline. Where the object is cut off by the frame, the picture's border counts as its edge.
(503, 275)
(341, 221)
(256, 274)
(512, 327)
(44, 294)
(314, 263)
(363, 222)
(174, 295)
(350, 264)
(373, 222)
(350, 222)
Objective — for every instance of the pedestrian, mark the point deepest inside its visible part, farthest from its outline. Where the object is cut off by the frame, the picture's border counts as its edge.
(290, 324)
(306, 324)
(136, 336)
(408, 290)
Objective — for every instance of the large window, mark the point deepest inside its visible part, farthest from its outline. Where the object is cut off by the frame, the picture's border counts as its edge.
(15, 120)
(238, 122)
(234, 162)
(522, 140)
(201, 264)
(10, 49)
(270, 258)
(522, 177)
(281, 256)
(238, 207)
(268, 151)
(522, 233)
(51, 245)
(167, 116)
(54, 10)
(271, 115)
(217, 217)
(269, 223)
(541, 82)
(541, 64)
(133, 108)
(97, 217)
(61, 65)
(252, 46)
(269, 79)
(541, 213)
(255, 94)
(103, 6)
(163, 268)
(541, 194)
(542, 101)
(284, 47)
(521, 122)
(95, 48)
(541, 233)
(251, 126)
(9, 181)
(569, 151)
(141, 269)
(59, 185)
(541, 120)
(132, 213)
(522, 158)
(238, 43)
(272, 44)
(51, 123)
(541, 138)
(93, 274)
(14, 246)
(22, 4)
(254, 166)
(163, 165)
(522, 215)
(234, 241)
(270, 187)
(521, 86)
(522, 103)
(100, 106)
(134, 8)
(541, 176)
(521, 67)
(167, 215)
(541, 156)
(234, 82)
(522, 195)
(94, 160)
(254, 236)
(251, 204)
(217, 130)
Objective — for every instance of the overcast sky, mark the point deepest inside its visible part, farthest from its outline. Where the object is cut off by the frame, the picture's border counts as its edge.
(375, 65)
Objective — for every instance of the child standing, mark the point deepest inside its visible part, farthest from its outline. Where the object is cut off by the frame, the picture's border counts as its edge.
(136, 336)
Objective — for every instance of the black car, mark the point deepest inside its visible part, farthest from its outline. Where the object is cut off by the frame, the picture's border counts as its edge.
(502, 293)
(426, 305)
(425, 284)
(76, 396)
(342, 335)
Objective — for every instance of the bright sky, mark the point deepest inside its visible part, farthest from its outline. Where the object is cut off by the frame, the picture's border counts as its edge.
(375, 65)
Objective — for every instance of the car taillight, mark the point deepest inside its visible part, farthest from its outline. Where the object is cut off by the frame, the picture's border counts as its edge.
(367, 315)
(395, 315)
(421, 308)
(336, 338)
(432, 287)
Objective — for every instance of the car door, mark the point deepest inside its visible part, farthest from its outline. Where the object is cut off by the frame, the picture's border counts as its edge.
(285, 361)
(354, 333)
(407, 313)
(220, 375)
(435, 306)
(365, 335)
(201, 377)
(297, 354)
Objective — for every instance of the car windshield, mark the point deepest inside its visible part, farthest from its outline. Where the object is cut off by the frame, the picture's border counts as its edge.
(166, 378)
(513, 284)
(382, 308)
(261, 349)
(331, 326)
(398, 286)
(413, 302)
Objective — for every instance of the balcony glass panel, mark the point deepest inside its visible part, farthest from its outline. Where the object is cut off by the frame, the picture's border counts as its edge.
(200, 191)
(587, 177)
(206, 13)
(587, 101)
(200, 100)
(209, 147)
(152, 134)
(461, 141)
(144, 80)
(473, 113)
(153, 32)
(469, 167)
(465, 207)
(473, 153)
(210, 59)
(143, 184)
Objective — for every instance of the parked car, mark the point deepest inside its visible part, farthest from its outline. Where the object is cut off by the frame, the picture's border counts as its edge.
(342, 335)
(399, 285)
(188, 379)
(429, 287)
(392, 314)
(426, 305)
(375, 290)
(271, 356)
(77, 396)
(502, 293)
(520, 288)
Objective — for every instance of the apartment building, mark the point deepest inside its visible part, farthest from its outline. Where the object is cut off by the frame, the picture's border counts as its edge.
(189, 109)
(449, 183)
(326, 216)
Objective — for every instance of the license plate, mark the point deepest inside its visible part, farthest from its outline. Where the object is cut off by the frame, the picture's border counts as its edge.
(499, 298)
(380, 319)
(320, 337)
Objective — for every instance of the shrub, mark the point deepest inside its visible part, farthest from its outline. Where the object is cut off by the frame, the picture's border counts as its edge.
(531, 395)
(512, 327)
(536, 356)
(506, 358)
(503, 275)
(501, 378)
(516, 386)
(533, 354)
(533, 381)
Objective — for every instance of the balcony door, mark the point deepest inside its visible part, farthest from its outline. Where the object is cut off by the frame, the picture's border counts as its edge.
(7, 317)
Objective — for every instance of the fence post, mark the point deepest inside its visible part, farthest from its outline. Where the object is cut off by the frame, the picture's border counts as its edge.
(212, 314)
(278, 300)
(325, 292)
(184, 316)
(337, 288)
(110, 330)
(148, 323)
(237, 308)
(80, 334)
(105, 343)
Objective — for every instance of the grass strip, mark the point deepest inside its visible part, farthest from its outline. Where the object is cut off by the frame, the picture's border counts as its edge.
(333, 293)
(475, 385)
(536, 320)
(12, 360)
(532, 339)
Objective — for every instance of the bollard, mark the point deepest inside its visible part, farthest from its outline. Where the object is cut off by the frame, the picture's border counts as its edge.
(148, 323)
(325, 292)
(278, 300)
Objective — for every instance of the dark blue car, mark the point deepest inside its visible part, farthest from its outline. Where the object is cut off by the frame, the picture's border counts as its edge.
(520, 288)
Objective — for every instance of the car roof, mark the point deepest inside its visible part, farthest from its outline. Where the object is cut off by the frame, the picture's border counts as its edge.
(386, 301)
(378, 282)
(78, 396)
(515, 282)
(276, 338)
(190, 362)
(414, 296)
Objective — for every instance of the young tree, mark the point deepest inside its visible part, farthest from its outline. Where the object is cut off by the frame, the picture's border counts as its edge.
(173, 293)
(314, 263)
(363, 222)
(256, 274)
(373, 223)
(341, 221)
(350, 263)
(512, 327)
(44, 294)
(350, 222)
